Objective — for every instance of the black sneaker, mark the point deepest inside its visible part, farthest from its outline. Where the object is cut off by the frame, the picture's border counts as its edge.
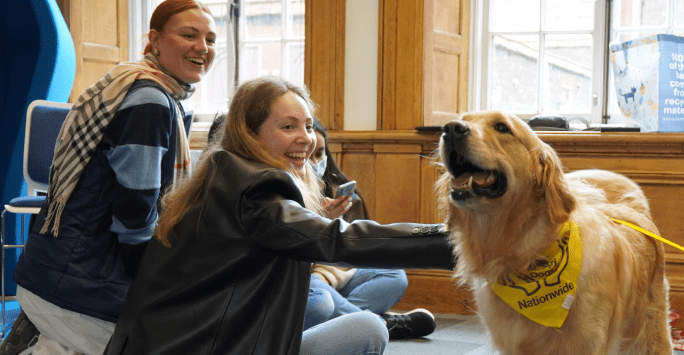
(417, 323)
(23, 335)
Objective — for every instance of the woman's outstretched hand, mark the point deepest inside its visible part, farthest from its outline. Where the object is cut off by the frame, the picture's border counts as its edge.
(337, 207)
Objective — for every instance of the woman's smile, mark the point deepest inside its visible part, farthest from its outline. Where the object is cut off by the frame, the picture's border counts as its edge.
(288, 131)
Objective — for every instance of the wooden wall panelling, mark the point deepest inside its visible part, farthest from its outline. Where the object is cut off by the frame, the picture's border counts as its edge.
(400, 64)
(388, 168)
(358, 163)
(397, 188)
(446, 60)
(324, 59)
(100, 33)
(436, 291)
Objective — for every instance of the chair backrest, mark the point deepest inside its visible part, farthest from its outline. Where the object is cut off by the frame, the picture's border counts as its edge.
(44, 120)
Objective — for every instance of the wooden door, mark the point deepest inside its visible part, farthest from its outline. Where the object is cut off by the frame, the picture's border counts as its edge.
(99, 29)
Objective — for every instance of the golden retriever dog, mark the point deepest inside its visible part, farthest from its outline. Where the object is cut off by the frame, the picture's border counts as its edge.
(520, 226)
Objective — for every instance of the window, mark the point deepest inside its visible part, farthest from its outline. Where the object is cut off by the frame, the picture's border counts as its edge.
(270, 41)
(551, 56)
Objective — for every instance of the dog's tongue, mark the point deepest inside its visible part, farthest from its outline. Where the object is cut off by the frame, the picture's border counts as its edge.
(481, 179)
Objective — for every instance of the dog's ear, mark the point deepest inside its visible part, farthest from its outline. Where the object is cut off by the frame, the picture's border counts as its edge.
(552, 185)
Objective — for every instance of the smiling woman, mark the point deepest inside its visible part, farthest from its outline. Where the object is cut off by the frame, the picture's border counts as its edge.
(185, 44)
(288, 131)
(123, 144)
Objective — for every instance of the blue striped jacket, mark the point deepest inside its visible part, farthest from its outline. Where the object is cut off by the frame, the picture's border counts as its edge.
(112, 212)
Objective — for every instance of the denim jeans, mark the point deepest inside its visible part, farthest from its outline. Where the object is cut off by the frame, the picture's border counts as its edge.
(375, 290)
(361, 333)
(346, 321)
(319, 308)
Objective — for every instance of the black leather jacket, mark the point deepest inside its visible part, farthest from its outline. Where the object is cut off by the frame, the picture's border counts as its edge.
(237, 280)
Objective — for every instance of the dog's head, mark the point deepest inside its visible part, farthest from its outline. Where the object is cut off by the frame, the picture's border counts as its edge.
(495, 161)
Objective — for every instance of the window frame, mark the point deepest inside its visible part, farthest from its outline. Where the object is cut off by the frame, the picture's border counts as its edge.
(482, 46)
(285, 39)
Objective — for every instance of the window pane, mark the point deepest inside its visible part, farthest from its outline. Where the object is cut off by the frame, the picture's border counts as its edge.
(568, 60)
(269, 49)
(271, 61)
(515, 76)
(623, 14)
(630, 13)
(654, 12)
(219, 10)
(262, 19)
(679, 13)
(514, 15)
(214, 87)
(295, 63)
(296, 18)
(259, 60)
(557, 12)
(250, 62)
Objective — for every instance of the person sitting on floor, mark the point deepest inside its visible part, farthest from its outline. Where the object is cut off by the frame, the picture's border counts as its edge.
(350, 289)
(229, 267)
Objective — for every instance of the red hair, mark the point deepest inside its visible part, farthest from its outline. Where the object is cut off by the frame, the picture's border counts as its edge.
(168, 8)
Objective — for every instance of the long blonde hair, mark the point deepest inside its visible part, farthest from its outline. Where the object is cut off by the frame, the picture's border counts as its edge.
(249, 109)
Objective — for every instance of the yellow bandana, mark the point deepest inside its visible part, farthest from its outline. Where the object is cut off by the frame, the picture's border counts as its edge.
(545, 294)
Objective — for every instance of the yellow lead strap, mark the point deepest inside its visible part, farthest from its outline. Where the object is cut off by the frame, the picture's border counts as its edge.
(652, 235)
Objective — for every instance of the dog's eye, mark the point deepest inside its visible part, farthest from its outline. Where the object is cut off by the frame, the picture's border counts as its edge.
(501, 127)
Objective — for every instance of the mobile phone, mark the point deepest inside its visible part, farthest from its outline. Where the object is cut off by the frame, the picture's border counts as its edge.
(346, 189)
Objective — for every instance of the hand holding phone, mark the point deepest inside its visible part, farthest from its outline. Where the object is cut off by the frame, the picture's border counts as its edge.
(346, 189)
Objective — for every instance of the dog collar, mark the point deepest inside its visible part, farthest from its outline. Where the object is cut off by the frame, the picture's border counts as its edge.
(544, 294)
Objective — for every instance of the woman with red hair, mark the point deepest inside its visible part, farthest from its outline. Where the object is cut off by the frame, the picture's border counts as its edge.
(123, 144)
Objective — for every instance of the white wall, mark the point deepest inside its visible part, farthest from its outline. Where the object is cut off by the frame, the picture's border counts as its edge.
(361, 65)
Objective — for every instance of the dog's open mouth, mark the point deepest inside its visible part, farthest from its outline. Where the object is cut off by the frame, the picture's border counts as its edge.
(469, 181)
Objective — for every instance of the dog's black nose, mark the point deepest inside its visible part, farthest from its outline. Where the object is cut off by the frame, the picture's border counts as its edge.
(455, 127)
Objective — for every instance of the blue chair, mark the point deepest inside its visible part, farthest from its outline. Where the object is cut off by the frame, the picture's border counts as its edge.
(44, 120)
(37, 61)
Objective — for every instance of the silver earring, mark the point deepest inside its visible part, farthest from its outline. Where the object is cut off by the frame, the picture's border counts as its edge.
(155, 51)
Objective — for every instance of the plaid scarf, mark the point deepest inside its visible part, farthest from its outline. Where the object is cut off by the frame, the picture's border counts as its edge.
(87, 121)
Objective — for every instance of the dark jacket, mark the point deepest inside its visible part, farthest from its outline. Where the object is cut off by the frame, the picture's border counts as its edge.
(89, 267)
(237, 280)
